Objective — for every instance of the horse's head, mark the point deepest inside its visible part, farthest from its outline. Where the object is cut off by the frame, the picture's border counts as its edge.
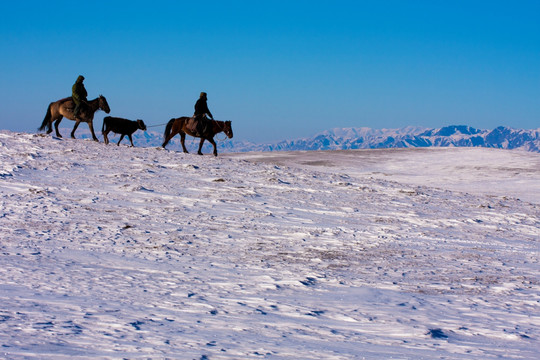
(227, 129)
(103, 105)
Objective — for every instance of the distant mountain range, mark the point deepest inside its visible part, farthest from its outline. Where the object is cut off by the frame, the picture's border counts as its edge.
(456, 136)
(367, 138)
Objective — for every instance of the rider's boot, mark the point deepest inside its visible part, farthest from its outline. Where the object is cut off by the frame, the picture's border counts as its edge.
(76, 112)
(200, 127)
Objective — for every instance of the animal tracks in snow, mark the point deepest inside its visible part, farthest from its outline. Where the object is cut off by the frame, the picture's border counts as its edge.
(135, 252)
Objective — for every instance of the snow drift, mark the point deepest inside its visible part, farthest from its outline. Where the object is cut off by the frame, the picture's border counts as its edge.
(117, 252)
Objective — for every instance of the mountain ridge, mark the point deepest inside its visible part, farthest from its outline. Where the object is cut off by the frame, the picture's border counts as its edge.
(453, 135)
(351, 138)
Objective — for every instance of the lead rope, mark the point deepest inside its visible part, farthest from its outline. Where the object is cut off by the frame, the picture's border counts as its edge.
(156, 125)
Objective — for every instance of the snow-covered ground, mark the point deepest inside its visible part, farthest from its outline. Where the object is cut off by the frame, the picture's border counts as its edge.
(476, 170)
(118, 252)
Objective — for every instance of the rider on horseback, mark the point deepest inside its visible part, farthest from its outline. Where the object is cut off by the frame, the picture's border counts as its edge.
(201, 112)
(79, 95)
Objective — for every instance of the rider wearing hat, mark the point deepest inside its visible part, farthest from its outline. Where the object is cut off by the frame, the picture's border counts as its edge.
(201, 113)
(78, 94)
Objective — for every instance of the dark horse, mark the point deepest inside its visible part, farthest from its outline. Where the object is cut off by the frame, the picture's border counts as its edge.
(64, 108)
(183, 126)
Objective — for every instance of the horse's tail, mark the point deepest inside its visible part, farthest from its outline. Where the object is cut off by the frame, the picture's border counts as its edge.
(167, 132)
(47, 119)
(168, 128)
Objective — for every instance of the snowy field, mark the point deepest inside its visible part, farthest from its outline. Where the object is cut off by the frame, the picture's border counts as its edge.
(117, 252)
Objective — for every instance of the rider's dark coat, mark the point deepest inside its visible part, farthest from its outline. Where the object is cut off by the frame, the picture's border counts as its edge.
(201, 108)
(200, 115)
(78, 91)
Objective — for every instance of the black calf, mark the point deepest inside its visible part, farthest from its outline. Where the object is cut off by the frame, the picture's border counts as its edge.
(121, 126)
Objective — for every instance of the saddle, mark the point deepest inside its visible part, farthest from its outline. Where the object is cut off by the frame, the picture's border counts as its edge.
(197, 125)
(70, 104)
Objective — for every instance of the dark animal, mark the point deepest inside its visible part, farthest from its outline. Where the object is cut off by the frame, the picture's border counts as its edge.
(184, 125)
(64, 108)
(121, 126)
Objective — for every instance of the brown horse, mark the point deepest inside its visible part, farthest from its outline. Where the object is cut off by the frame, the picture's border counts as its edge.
(183, 126)
(64, 108)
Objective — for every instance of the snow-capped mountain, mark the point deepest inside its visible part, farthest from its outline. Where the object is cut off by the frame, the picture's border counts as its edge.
(450, 136)
(364, 138)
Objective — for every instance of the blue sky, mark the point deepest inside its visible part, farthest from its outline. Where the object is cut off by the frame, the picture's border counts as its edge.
(278, 69)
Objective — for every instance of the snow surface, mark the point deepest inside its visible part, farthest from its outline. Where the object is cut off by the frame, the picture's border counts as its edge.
(118, 252)
(477, 170)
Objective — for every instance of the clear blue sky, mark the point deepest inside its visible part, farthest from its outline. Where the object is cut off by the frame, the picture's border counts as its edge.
(278, 69)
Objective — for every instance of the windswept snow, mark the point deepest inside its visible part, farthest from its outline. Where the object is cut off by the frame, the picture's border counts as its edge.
(475, 170)
(118, 252)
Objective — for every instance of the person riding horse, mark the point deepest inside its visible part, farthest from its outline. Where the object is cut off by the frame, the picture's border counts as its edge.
(78, 94)
(201, 113)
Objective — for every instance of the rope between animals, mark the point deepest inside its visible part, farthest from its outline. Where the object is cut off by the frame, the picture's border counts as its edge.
(156, 125)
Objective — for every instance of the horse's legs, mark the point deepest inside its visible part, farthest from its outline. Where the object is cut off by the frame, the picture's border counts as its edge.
(49, 126)
(166, 141)
(105, 137)
(211, 140)
(200, 146)
(168, 138)
(131, 140)
(121, 137)
(77, 122)
(182, 141)
(91, 126)
(56, 123)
